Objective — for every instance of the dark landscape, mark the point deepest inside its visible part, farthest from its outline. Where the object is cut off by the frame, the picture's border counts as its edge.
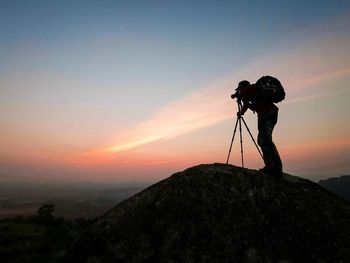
(39, 221)
(71, 201)
(208, 213)
(338, 185)
(89, 200)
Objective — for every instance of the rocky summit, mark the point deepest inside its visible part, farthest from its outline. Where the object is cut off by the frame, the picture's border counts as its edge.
(222, 213)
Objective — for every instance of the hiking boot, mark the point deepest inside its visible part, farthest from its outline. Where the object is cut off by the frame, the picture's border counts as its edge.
(276, 174)
(271, 172)
(265, 170)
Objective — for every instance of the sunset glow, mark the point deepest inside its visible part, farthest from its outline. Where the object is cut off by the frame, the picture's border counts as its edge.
(123, 92)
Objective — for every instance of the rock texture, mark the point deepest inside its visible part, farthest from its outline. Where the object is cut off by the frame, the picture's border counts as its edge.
(222, 213)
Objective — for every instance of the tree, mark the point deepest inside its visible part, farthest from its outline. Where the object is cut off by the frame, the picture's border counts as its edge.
(45, 212)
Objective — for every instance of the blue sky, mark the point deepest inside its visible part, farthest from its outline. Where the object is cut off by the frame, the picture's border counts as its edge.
(179, 45)
(76, 76)
(210, 37)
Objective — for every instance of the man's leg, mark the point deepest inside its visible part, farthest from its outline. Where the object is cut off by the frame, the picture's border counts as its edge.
(266, 124)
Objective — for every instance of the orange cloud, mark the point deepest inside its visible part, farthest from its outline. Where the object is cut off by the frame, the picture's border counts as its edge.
(300, 68)
(199, 110)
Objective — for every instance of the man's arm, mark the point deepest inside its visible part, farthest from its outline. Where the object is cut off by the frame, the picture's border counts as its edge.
(244, 108)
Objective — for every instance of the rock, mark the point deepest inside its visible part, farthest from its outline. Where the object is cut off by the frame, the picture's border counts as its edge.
(222, 213)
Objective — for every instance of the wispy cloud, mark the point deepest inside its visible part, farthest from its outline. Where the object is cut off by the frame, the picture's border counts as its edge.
(314, 80)
(199, 110)
(298, 69)
(204, 108)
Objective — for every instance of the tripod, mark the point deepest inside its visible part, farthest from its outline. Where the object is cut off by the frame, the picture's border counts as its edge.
(239, 123)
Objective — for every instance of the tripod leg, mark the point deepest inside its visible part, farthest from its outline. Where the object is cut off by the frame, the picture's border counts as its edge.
(251, 136)
(240, 135)
(233, 137)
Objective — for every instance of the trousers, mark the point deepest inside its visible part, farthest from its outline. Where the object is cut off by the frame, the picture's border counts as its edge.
(266, 124)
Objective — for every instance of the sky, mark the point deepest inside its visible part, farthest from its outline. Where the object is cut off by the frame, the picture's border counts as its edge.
(133, 91)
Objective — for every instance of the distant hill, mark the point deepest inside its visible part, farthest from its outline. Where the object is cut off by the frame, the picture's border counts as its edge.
(338, 185)
(221, 213)
(72, 201)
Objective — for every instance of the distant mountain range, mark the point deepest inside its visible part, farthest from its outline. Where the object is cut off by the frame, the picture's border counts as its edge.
(338, 185)
(71, 200)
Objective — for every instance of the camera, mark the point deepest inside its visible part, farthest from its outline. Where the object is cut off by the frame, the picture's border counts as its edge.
(235, 95)
(238, 94)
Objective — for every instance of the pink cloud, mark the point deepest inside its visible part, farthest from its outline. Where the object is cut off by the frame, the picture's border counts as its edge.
(301, 69)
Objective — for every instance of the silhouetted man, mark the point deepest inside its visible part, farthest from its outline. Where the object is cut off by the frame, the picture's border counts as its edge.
(267, 118)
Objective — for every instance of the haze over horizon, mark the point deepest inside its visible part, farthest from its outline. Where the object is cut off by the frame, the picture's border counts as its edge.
(129, 91)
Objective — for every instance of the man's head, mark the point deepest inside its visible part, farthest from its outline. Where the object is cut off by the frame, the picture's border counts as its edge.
(243, 84)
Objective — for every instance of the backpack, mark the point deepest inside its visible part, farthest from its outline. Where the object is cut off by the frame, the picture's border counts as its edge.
(270, 89)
